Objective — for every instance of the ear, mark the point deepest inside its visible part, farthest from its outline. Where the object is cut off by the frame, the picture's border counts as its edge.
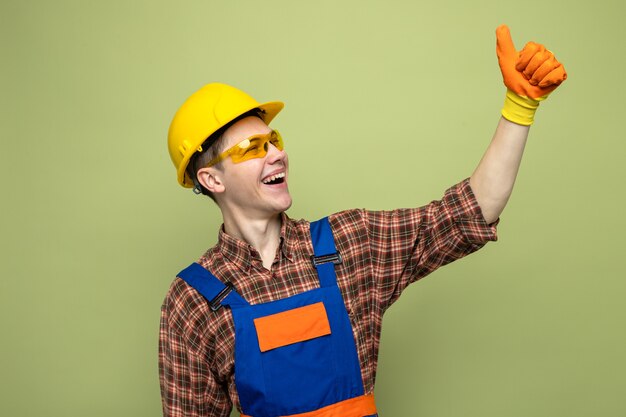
(211, 179)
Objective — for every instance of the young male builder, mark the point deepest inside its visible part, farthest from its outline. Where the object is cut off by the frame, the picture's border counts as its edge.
(283, 317)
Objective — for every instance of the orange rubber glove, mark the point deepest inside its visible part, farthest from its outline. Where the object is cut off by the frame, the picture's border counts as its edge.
(529, 76)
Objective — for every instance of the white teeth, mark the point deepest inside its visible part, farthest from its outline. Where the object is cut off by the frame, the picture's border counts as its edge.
(273, 177)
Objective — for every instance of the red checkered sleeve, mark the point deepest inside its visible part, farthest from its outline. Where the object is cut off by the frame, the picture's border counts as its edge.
(408, 244)
(188, 386)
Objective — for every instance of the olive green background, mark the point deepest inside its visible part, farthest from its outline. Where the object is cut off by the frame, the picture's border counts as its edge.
(387, 105)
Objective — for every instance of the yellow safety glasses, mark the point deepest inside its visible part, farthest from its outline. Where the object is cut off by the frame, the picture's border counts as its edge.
(253, 147)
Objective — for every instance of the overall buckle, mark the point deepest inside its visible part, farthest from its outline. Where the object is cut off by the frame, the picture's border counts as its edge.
(335, 258)
(216, 302)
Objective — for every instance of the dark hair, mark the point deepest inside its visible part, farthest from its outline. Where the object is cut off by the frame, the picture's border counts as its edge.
(211, 148)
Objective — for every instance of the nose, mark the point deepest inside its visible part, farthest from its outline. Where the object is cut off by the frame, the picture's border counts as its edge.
(274, 154)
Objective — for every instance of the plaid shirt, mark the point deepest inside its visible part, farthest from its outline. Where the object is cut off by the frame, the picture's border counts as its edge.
(383, 252)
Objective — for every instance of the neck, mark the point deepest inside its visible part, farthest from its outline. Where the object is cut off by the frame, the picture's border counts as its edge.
(263, 234)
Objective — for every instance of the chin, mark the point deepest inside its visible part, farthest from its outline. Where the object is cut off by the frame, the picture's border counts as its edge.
(284, 200)
(286, 204)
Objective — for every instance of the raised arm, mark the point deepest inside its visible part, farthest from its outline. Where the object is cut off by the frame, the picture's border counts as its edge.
(530, 76)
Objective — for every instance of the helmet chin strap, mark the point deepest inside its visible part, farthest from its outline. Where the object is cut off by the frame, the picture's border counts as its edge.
(197, 187)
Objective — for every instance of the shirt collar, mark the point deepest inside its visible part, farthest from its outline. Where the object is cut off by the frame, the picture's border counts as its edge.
(287, 236)
(241, 253)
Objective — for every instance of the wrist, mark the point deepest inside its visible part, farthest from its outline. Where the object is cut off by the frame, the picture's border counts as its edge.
(519, 109)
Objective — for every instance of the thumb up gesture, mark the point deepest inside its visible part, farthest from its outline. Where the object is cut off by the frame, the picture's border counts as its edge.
(529, 75)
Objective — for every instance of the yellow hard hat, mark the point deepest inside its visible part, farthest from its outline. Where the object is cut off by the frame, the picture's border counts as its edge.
(205, 112)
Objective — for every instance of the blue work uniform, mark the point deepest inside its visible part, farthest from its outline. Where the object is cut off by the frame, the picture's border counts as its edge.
(296, 356)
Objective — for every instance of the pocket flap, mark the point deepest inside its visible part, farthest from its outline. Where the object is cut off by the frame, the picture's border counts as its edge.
(292, 326)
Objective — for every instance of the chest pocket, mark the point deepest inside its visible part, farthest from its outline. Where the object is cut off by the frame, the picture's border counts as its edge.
(292, 326)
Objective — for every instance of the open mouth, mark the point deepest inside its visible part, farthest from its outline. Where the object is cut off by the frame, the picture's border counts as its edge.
(274, 179)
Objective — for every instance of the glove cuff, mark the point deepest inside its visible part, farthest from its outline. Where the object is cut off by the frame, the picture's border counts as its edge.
(519, 109)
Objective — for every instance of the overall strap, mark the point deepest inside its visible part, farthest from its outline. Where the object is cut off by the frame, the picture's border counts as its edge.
(215, 291)
(325, 255)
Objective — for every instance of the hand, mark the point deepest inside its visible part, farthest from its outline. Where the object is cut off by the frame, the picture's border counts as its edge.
(532, 73)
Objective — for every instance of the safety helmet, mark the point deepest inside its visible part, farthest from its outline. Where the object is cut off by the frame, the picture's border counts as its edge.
(204, 113)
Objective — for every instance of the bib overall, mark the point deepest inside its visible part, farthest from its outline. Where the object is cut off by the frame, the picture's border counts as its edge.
(295, 356)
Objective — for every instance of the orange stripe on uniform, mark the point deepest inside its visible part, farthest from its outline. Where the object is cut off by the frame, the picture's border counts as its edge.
(354, 407)
(292, 326)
